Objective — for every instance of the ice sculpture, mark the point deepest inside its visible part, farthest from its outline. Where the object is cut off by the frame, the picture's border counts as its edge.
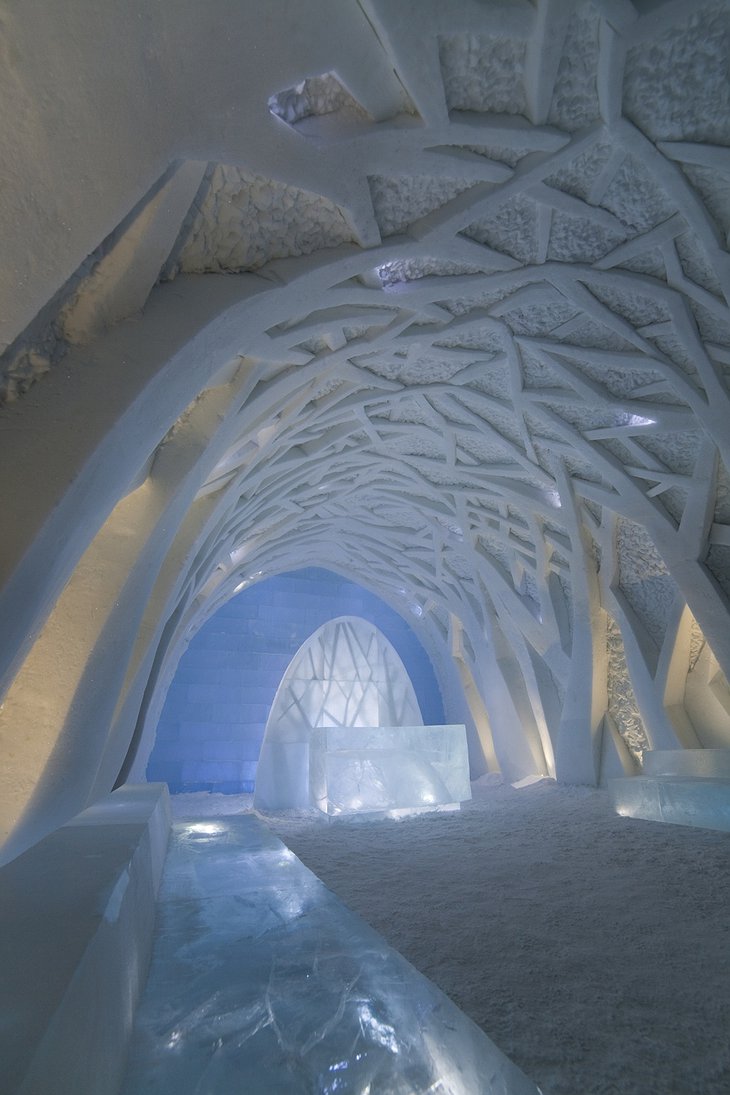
(346, 674)
(385, 769)
(262, 981)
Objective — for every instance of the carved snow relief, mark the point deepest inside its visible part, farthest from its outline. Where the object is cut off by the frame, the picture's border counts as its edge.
(644, 579)
(244, 221)
(622, 705)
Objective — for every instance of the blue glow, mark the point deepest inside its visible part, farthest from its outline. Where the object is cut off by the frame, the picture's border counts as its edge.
(212, 724)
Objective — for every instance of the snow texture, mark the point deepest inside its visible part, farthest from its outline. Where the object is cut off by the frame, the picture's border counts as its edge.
(245, 221)
(483, 73)
(622, 705)
(676, 88)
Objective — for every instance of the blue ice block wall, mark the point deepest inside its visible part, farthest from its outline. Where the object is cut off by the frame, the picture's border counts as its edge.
(212, 725)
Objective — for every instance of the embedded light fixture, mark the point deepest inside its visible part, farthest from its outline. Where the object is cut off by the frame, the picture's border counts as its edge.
(639, 420)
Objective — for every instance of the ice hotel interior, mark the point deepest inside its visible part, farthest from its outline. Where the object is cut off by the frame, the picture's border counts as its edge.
(365, 547)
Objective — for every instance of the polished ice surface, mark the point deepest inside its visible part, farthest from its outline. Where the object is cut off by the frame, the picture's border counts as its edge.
(678, 800)
(263, 982)
(380, 769)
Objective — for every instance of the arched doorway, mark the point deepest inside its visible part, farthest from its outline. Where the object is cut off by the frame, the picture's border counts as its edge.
(346, 674)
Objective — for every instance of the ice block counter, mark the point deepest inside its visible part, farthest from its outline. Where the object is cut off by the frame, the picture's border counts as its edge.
(388, 770)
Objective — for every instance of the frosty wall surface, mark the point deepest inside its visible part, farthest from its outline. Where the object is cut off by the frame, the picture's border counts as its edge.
(212, 725)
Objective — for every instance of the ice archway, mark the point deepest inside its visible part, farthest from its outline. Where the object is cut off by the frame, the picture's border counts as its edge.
(346, 674)
(471, 349)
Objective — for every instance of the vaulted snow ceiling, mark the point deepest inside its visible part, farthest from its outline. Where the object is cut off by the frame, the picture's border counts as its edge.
(434, 295)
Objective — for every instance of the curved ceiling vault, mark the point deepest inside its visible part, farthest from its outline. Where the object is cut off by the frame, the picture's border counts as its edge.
(433, 295)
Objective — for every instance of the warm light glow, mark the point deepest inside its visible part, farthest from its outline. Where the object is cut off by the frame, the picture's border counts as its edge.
(207, 828)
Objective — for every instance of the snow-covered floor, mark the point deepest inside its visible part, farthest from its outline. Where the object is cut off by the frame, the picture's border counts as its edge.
(593, 949)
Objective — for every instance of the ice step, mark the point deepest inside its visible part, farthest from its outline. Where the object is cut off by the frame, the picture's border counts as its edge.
(712, 763)
(680, 800)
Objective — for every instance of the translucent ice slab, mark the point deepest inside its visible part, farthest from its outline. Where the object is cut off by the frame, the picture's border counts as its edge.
(712, 763)
(263, 982)
(674, 799)
(76, 917)
(384, 769)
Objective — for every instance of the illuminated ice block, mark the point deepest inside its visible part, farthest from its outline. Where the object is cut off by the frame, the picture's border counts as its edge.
(76, 918)
(712, 763)
(263, 982)
(701, 802)
(382, 769)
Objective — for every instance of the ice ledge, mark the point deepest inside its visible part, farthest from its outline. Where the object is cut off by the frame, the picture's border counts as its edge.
(76, 920)
(677, 800)
(698, 763)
